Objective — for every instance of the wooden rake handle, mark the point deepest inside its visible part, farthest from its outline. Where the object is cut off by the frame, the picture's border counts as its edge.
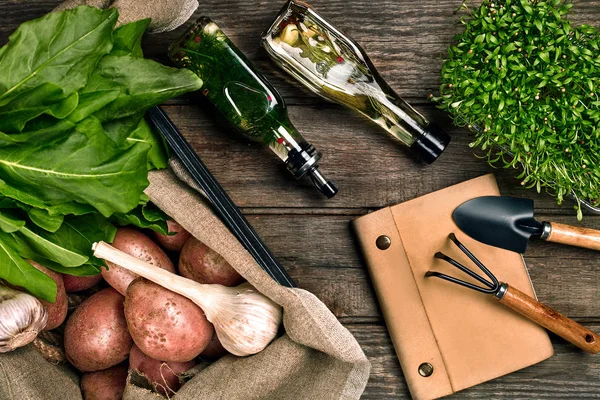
(550, 319)
(574, 236)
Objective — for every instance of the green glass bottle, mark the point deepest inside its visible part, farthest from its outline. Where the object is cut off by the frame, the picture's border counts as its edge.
(246, 99)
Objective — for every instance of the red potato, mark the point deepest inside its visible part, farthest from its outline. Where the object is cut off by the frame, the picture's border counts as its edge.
(57, 311)
(173, 242)
(108, 384)
(163, 376)
(137, 245)
(200, 263)
(96, 335)
(74, 284)
(165, 325)
(214, 349)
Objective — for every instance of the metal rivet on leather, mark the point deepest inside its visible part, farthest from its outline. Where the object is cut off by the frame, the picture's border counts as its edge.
(425, 370)
(383, 242)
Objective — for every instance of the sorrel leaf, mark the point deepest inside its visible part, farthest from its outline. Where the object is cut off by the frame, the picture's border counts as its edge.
(146, 216)
(60, 49)
(15, 115)
(127, 39)
(157, 156)
(50, 250)
(78, 233)
(142, 84)
(15, 270)
(44, 220)
(83, 166)
(11, 223)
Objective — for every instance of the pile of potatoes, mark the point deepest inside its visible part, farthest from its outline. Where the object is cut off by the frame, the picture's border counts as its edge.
(163, 334)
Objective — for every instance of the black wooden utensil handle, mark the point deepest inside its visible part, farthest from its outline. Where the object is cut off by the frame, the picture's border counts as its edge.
(224, 206)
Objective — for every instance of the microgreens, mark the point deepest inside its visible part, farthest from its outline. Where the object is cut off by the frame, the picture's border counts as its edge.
(527, 82)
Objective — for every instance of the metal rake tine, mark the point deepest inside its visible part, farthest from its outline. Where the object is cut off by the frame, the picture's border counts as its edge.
(475, 260)
(457, 281)
(464, 269)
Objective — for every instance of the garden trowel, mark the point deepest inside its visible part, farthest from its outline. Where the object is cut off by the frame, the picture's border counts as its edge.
(508, 223)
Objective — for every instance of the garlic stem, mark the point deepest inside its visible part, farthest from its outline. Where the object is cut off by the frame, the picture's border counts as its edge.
(198, 293)
(22, 317)
(245, 320)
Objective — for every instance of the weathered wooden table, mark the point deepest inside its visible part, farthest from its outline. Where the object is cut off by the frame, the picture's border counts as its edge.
(311, 236)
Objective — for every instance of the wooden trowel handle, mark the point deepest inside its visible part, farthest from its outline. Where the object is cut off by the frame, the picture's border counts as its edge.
(574, 236)
(551, 319)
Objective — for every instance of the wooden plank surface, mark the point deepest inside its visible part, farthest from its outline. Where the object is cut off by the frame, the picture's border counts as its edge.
(311, 236)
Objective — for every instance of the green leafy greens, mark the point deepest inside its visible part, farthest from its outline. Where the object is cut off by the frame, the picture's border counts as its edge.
(528, 83)
(75, 150)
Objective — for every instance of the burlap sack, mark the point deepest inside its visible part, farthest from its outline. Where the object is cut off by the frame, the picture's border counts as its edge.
(166, 15)
(316, 357)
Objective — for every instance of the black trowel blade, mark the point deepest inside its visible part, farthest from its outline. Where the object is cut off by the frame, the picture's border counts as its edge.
(505, 222)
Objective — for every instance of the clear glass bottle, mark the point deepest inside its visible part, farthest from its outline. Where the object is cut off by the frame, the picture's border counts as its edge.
(246, 99)
(334, 66)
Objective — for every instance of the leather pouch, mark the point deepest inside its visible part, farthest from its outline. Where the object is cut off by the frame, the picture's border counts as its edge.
(447, 337)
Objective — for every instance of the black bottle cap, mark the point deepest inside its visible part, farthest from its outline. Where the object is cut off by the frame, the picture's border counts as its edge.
(325, 186)
(432, 143)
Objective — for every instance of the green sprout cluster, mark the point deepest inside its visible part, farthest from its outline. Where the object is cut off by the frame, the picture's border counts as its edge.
(527, 82)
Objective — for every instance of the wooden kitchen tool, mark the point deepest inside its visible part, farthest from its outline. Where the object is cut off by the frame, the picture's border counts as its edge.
(518, 301)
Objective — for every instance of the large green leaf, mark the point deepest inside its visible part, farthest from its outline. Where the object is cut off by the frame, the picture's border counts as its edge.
(82, 166)
(86, 269)
(38, 216)
(78, 233)
(91, 102)
(48, 133)
(44, 220)
(146, 216)
(59, 49)
(127, 86)
(100, 92)
(52, 250)
(128, 131)
(127, 39)
(119, 130)
(27, 107)
(68, 250)
(157, 156)
(15, 270)
(143, 84)
(9, 222)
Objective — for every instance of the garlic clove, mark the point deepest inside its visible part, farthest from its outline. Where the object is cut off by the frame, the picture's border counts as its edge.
(290, 34)
(22, 317)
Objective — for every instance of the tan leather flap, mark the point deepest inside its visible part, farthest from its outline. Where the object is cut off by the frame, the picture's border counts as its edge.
(401, 305)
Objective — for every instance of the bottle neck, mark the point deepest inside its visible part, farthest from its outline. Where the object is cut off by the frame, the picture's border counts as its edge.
(284, 139)
(397, 116)
(291, 147)
(300, 157)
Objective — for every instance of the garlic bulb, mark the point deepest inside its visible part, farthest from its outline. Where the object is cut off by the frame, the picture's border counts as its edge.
(245, 320)
(22, 317)
(252, 319)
